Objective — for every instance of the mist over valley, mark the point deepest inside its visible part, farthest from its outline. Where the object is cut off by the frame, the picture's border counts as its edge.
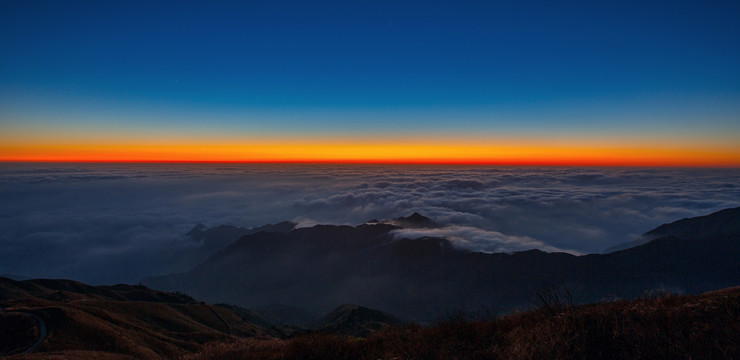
(110, 223)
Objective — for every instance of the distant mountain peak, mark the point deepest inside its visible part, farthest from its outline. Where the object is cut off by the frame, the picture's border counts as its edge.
(415, 220)
(197, 229)
(417, 217)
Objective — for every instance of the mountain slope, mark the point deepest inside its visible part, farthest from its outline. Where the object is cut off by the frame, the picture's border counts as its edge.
(216, 238)
(70, 290)
(355, 320)
(324, 266)
(131, 321)
(723, 222)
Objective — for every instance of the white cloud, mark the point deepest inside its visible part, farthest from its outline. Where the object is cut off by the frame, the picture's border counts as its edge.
(51, 214)
(475, 239)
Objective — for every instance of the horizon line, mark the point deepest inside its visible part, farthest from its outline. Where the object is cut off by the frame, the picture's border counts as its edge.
(380, 162)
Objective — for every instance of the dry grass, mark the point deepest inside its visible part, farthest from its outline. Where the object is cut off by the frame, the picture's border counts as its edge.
(74, 355)
(667, 327)
(663, 327)
(141, 330)
(252, 348)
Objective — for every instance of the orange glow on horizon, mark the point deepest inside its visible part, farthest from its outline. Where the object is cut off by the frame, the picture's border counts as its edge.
(382, 153)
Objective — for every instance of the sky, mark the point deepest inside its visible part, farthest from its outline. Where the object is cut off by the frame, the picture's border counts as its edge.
(636, 83)
(113, 223)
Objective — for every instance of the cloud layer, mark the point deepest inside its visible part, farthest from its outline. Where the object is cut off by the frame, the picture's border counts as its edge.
(111, 223)
(475, 239)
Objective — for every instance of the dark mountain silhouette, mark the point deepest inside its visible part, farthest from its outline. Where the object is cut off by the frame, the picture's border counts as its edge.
(197, 231)
(70, 290)
(415, 220)
(15, 276)
(202, 242)
(321, 267)
(216, 238)
(355, 320)
(723, 222)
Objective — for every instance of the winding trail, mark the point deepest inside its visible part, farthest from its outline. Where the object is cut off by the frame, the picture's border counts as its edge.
(42, 332)
(228, 328)
(42, 327)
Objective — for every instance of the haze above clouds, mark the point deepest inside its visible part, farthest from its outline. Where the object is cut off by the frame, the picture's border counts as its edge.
(107, 223)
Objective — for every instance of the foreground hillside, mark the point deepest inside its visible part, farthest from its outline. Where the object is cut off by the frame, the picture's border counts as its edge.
(84, 325)
(665, 327)
(65, 319)
(84, 322)
(75, 320)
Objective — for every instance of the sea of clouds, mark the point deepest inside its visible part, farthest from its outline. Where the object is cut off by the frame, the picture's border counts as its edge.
(108, 223)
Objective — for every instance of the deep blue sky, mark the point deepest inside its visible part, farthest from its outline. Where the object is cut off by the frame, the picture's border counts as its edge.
(350, 66)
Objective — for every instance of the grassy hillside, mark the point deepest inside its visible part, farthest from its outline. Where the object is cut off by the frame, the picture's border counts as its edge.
(79, 326)
(111, 322)
(666, 327)
(355, 320)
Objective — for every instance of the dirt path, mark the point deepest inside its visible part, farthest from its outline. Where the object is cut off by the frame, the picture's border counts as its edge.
(228, 328)
(42, 332)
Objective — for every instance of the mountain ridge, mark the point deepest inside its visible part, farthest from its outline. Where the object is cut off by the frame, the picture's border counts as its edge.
(718, 223)
(324, 266)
